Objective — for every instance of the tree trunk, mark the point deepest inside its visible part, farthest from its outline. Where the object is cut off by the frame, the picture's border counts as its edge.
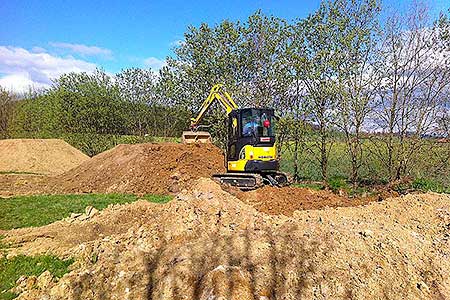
(323, 156)
(296, 138)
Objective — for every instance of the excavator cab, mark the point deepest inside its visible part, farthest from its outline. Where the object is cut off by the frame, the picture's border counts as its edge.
(251, 139)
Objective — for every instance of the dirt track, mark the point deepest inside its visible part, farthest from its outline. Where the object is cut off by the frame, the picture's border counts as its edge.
(207, 244)
(165, 168)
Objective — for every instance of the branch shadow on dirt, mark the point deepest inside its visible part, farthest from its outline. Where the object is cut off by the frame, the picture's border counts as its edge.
(256, 261)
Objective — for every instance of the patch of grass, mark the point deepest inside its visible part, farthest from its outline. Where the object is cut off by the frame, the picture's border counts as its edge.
(12, 269)
(425, 185)
(157, 198)
(338, 183)
(39, 210)
(360, 190)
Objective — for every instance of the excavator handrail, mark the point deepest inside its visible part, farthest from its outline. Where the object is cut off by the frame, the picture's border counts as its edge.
(217, 92)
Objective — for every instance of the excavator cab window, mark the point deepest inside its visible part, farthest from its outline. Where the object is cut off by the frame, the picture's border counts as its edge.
(257, 123)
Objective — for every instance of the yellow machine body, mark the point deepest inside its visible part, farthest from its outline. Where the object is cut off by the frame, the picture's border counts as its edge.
(249, 153)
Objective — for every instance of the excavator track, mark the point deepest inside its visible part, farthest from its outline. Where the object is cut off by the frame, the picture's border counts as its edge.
(252, 181)
(244, 181)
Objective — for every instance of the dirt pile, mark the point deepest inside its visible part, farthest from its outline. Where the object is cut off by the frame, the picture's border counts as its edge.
(207, 244)
(286, 200)
(163, 168)
(41, 156)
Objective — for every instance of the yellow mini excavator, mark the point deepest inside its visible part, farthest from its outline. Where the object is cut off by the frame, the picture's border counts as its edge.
(251, 156)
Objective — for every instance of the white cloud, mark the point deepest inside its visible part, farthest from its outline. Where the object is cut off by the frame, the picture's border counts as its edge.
(154, 63)
(83, 49)
(20, 82)
(21, 69)
(177, 43)
(38, 50)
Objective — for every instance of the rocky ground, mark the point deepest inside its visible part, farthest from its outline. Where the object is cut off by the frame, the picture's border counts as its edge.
(208, 244)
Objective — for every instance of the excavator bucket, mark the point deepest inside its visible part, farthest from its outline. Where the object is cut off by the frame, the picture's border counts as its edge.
(190, 137)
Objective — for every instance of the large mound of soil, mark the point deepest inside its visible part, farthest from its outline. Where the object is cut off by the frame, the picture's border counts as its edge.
(163, 168)
(41, 156)
(207, 244)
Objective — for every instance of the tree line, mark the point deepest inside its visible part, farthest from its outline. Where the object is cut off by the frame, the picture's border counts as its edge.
(373, 80)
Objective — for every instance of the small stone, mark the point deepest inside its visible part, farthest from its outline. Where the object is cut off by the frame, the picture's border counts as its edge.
(75, 215)
(423, 287)
(175, 176)
(21, 280)
(91, 211)
(367, 233)
(45, 280)
(30, 282)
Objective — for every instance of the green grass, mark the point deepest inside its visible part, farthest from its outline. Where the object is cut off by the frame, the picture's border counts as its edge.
(157, 198)
(426, 185)
(39, 210)
(12, 269)
(338, 183)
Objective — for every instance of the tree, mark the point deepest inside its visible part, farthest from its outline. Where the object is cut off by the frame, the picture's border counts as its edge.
(264, 76)
(357, 73)
(90, 103)
(137, 87)
(317, 53)
(244, 57)
(416, 73)
(7, 103)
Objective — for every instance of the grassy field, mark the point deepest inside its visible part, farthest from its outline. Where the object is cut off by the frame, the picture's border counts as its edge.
(426, 168)
(25, 211)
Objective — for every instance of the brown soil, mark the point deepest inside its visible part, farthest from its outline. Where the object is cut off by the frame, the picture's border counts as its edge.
(207, 244)
(21, 184)
(286, 200)
(42, 156)
(163, 168)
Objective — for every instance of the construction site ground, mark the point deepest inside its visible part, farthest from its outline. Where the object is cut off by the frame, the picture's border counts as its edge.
(215, 242)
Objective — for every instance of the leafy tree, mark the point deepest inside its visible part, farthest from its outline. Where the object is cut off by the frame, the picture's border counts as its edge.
(357, 73)
(37, 116)
(318, 58)
(137, 87)
(7, 103)
(91, 103)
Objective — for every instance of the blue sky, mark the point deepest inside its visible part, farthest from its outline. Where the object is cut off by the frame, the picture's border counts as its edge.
(40, 40)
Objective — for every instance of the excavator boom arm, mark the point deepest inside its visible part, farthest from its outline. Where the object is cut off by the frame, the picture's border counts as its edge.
(217, 93)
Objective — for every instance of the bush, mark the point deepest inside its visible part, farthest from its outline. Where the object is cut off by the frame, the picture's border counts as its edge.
(426, 185)
(338, 183)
